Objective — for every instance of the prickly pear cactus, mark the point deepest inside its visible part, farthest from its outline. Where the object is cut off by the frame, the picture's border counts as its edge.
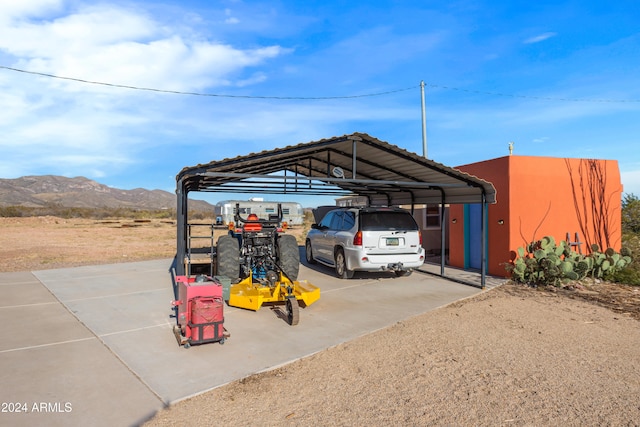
(544, 262)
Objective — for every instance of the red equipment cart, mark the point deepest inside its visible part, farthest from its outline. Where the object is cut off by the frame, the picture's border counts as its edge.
(200, 311)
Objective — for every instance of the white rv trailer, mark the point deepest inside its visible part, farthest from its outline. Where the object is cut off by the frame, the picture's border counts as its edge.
(292, 212)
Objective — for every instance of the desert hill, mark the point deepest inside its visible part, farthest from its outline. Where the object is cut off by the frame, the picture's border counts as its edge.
(81, 192)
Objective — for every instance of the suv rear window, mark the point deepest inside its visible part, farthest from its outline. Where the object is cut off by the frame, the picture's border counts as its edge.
(387, 220)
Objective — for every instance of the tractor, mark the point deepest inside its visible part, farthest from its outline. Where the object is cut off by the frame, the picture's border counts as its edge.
(263, 263)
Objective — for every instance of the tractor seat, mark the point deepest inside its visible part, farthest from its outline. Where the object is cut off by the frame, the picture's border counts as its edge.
(252, 226)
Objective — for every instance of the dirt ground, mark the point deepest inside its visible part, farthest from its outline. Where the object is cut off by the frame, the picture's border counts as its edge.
(42, 243)
(508, 356)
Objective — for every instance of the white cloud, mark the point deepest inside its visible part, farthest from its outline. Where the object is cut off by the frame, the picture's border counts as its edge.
(169, 64)
(120, 46)
(540, 37)
(62, 141)
(27, 8)
(71, 128)
(73, 35)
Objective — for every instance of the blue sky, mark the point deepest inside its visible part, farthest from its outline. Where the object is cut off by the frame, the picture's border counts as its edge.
(559, 79)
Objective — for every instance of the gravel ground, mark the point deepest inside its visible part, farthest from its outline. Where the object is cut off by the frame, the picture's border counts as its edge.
(509, 356)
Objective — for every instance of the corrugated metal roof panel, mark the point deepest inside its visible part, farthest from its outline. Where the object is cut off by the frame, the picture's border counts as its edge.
(386, 173)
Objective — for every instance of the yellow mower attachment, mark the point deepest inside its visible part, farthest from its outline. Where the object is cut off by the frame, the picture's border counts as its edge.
(250, 295)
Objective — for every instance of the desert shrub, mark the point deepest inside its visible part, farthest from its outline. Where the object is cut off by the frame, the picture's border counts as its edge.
(15, 211)
(102, 213)
(199, 215)
(631, 274)
(631, 214)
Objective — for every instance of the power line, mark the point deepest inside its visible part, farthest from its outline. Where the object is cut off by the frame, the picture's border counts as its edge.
(177, 92)
(544, 98)
(472, 91)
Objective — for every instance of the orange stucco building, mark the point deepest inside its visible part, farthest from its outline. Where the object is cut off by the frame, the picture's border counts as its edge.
(537, 197)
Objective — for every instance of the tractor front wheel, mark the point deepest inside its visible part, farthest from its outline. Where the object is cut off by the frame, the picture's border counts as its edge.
(293, 311)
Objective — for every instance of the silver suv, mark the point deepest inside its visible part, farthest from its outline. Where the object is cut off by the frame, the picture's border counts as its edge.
(366, 239)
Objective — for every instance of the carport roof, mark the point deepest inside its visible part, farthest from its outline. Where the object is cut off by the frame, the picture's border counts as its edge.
(343, 165)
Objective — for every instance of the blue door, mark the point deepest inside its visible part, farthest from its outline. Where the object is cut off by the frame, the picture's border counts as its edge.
(473, 236)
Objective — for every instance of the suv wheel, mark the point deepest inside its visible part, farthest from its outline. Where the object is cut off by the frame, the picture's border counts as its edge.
(309, 252)
(341, 266)
(403, 273)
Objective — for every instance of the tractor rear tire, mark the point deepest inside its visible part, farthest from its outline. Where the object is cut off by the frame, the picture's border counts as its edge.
(228, 257)
(289, 256)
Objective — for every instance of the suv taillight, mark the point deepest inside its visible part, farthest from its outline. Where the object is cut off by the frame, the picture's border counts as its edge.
(420, 237)
(357, 239)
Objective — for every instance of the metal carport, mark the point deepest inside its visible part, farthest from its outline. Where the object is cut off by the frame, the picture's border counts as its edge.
(345, 165)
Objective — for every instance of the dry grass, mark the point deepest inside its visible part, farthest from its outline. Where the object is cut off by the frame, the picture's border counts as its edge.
(40, 243)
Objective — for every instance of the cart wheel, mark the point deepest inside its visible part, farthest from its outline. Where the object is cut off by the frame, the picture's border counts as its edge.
(187, 345)
(221, 341)
(293, 311)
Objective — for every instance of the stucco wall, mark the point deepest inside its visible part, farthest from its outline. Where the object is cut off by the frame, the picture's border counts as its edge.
(540, 196)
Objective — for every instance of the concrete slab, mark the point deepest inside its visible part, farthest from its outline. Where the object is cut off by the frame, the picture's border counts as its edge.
(54, 371)
(31, 316)
(116, 322)
(35, 325)
(122, 312)
(72, 384)
(23, 289)
(135, 321)
(79, 283)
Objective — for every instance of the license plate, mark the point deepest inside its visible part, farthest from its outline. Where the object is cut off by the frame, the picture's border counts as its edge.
(392, 241)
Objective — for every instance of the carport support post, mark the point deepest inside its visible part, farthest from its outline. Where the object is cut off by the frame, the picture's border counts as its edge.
(483, 232)
(181, 226)
(443, 230)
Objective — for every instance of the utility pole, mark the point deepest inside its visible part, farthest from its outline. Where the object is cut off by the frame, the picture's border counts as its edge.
(424, 122)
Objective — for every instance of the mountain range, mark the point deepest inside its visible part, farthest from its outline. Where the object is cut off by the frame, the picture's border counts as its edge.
(81, 192)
